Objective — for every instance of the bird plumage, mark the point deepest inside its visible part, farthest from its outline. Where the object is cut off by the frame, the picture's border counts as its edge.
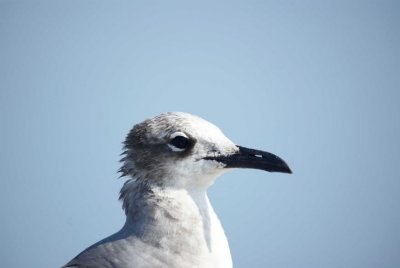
(170, 161)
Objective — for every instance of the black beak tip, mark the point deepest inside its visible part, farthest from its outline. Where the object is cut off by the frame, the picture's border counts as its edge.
(287, 169)
(280, 166)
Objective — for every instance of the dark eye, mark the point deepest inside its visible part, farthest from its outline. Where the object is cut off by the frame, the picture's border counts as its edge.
(180, 142)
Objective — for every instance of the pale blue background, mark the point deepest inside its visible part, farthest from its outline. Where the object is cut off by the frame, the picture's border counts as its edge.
(316, 82)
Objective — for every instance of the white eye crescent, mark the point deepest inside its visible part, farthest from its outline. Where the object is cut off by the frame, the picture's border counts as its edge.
(175, 134)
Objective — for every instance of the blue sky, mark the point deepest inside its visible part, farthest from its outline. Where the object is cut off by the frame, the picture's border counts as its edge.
(316, 82)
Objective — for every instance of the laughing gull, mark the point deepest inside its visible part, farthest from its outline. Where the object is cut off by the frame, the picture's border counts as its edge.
(171, 160)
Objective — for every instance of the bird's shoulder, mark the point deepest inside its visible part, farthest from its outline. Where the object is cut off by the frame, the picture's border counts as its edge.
(105, 253)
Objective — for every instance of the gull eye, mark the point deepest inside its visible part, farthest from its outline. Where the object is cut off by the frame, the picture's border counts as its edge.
(179, 142)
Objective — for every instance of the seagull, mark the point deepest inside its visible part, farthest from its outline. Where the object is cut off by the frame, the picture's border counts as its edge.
(170, 161)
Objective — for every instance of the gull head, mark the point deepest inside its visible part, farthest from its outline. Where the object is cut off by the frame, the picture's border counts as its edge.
(182, 150)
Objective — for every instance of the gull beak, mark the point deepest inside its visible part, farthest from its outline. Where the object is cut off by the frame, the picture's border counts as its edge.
(251, 158)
